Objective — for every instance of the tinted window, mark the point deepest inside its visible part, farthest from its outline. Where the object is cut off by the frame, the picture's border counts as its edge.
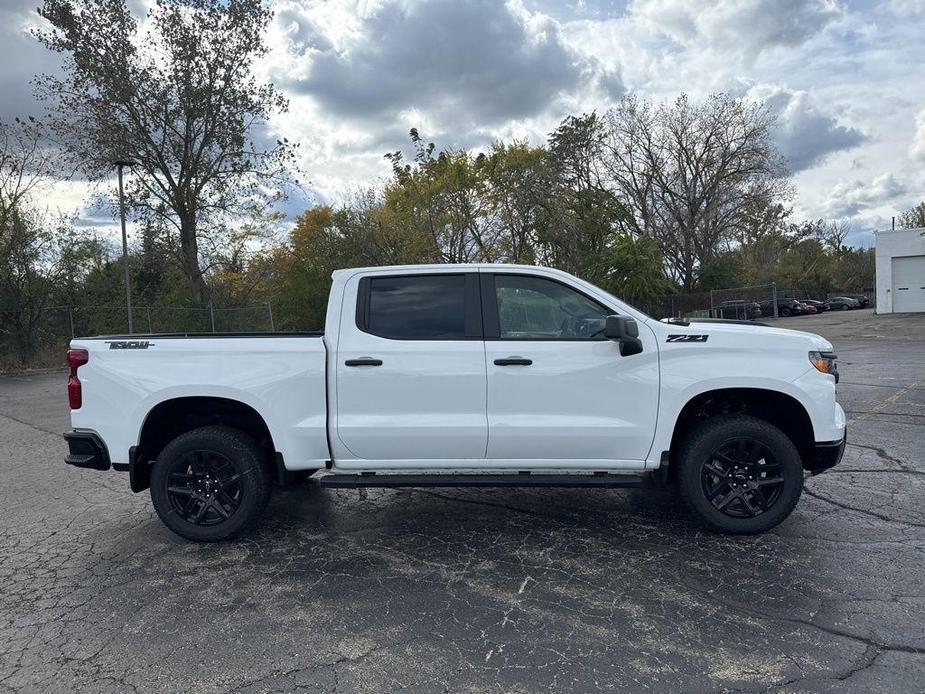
(536, 308)
(417, 307)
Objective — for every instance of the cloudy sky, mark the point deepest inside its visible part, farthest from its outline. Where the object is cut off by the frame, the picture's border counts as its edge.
(845, 77)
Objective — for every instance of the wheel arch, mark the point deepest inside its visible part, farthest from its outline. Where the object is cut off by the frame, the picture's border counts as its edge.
(175, 416)
(773, 406)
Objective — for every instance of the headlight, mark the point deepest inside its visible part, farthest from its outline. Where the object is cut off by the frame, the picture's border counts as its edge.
(824, 362)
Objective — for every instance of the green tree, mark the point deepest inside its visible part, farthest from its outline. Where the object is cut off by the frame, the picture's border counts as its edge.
(586, 217)
(516, 184)
(853, 270)
(632, 268)
(177, 97)
(38, 256)
(440, 196)
(296, 276)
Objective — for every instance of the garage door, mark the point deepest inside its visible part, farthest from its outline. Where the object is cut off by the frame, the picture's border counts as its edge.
(909, 284)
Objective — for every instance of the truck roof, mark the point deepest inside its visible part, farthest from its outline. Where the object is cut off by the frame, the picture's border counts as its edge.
(445, 266)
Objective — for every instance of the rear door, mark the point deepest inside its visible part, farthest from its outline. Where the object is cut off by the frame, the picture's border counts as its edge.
(559, 393)
(410, 369)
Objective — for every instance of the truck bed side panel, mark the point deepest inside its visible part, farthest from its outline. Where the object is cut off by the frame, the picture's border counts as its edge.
(282, 378)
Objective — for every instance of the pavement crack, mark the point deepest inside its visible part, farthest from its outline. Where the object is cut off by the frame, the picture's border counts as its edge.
(30, 424)
(492, 504)
(873, 514)
(883, 455)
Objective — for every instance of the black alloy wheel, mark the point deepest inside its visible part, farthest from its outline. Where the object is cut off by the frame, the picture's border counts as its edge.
(741, 478)
(204, 488)
(738, 474)
(211, 483)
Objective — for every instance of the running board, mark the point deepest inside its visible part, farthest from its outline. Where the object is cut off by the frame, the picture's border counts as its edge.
(604, 480)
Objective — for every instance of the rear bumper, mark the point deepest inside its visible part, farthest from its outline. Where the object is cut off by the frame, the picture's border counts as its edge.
(825, 455)
(87, 450)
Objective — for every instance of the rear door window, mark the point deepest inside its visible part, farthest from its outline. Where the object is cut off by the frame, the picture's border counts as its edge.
(415, 307)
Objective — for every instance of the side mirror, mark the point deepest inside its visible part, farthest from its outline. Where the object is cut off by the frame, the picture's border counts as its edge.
(624, 330)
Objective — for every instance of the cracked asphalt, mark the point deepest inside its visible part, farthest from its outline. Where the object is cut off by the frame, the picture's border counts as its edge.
(477, 590)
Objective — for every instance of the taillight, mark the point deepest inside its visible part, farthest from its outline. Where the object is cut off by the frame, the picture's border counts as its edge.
(75, 358)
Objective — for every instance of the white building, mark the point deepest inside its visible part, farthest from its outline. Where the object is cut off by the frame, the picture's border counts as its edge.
(900, 270)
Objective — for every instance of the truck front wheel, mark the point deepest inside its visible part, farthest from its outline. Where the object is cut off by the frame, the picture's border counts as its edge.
(739, 474)
(210, 484)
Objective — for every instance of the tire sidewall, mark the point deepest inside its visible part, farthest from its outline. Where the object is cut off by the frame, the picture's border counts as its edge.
(243, 454)
(705, 439)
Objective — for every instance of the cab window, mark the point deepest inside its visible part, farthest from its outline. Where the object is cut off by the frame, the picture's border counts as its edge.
(542, 309)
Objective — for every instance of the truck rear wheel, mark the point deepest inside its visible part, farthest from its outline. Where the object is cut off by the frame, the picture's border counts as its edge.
(739, 474)
(210, 484)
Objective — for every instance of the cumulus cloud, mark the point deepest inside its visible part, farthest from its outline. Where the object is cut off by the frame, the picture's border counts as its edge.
(480, 61)
(806, 133)
(738, 26)
(360, 73)
(848, 199)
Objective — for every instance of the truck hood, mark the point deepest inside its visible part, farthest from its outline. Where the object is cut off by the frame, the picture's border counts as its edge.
(742, 334)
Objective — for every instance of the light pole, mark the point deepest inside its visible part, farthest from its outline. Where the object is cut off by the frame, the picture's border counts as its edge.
(128, 288)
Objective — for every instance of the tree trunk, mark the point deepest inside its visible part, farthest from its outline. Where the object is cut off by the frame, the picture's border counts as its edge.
(189, 247)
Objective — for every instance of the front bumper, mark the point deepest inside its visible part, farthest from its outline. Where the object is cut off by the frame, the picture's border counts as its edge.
(825, 455)
(87, 450)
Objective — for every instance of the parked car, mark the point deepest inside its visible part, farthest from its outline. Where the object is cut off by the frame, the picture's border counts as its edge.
(820, 306)
(842, 303)
(862, 299)
(785, 307)
(460, 376)
(808, 308)
(742, 310)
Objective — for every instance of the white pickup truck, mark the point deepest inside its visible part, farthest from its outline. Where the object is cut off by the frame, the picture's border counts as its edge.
(461, 375)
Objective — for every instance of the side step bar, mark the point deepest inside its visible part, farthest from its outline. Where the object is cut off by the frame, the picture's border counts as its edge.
(604, 480)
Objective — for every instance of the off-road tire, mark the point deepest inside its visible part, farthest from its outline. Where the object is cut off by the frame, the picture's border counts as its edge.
(250, 475)
(697, 452)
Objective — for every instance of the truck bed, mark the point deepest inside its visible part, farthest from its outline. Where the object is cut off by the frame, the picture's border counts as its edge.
(279, 375)
(172, 336)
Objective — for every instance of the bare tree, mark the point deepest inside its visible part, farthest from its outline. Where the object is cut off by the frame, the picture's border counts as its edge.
(834, 233)
(914, 217)
(177, 97)
(691, 175)
(25, 163)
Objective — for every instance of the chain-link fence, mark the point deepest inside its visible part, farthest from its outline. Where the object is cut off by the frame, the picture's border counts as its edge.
(743, 303)
(39, 337)
(802, 294)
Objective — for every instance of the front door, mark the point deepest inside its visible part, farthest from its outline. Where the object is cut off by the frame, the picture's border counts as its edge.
(410, 370)
(558, 391)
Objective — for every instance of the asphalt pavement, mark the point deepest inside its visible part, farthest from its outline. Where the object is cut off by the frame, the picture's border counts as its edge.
(534, 590)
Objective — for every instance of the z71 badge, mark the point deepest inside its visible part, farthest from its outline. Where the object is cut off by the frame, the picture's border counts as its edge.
(687, 338)
(130, 344)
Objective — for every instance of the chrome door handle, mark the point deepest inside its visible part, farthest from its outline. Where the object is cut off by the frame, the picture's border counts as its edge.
(513, 361)
(363, 361)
